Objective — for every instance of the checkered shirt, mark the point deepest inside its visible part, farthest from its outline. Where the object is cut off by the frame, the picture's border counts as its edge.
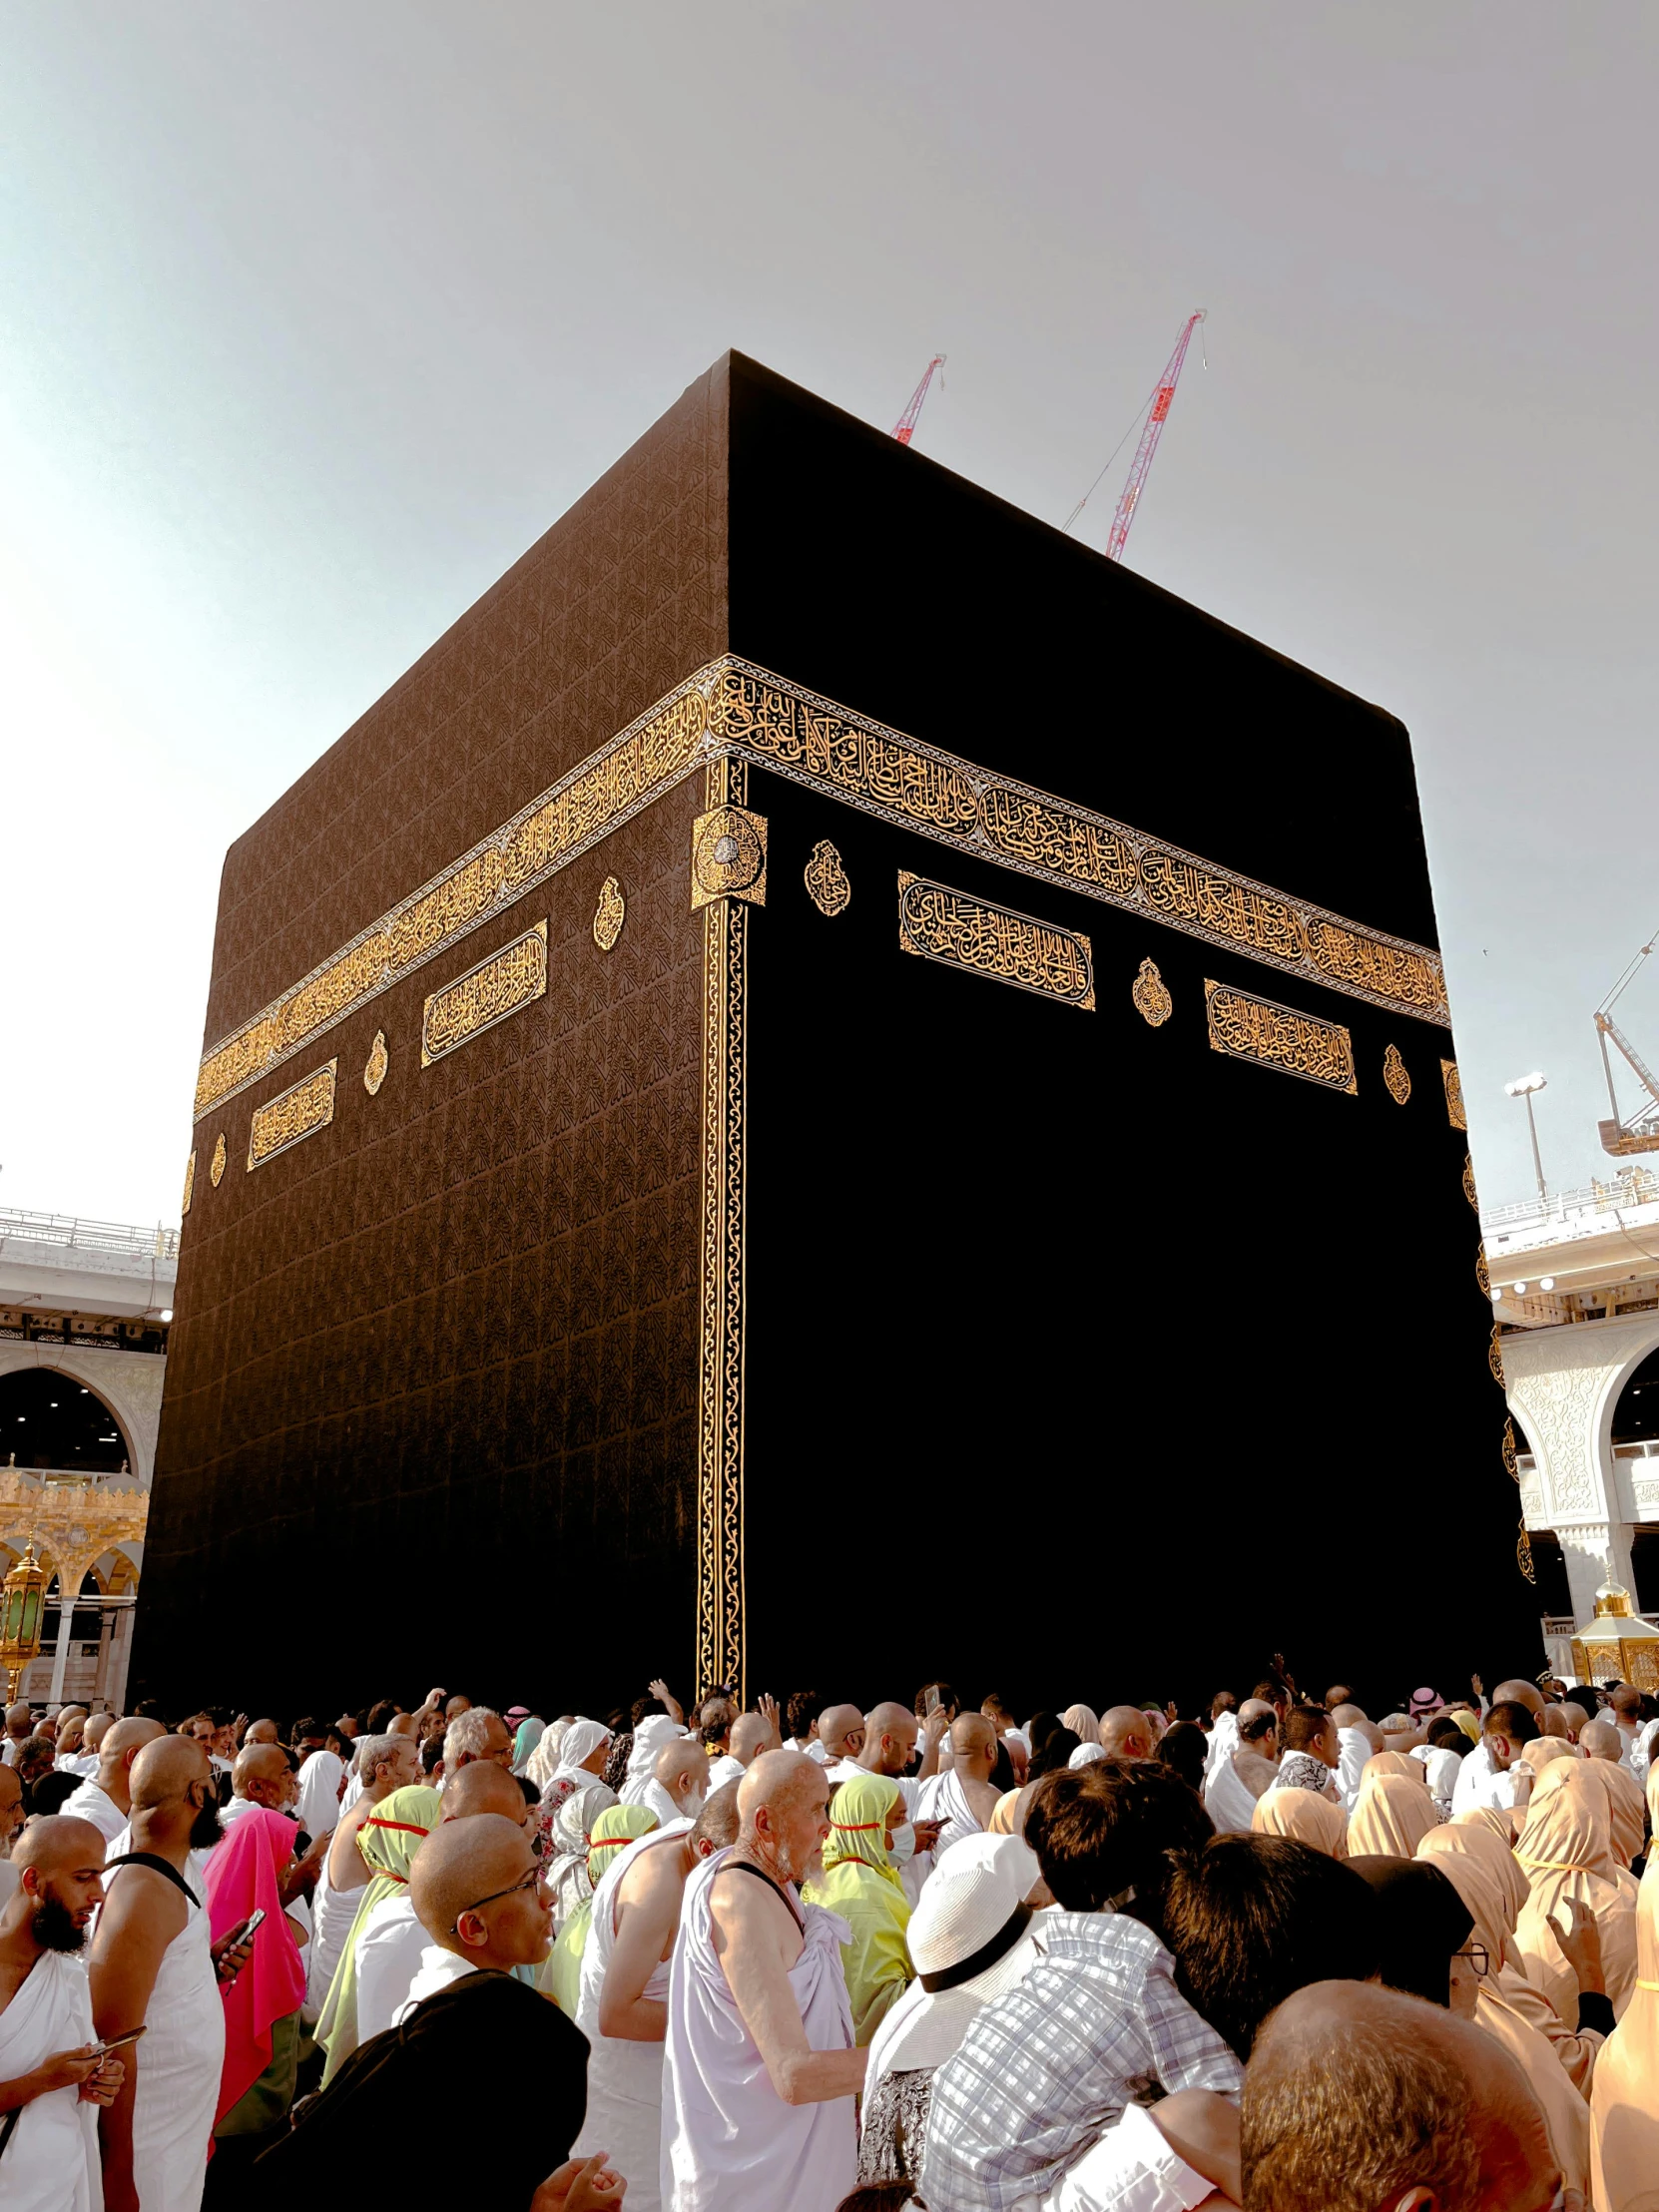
(1047, 2068)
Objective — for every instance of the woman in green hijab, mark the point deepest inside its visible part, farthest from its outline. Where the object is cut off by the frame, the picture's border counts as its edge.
(860, 1883)
(387, 1842)
(616, 1827)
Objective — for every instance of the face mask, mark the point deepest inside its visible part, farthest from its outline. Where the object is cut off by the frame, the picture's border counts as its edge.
(903, 1849)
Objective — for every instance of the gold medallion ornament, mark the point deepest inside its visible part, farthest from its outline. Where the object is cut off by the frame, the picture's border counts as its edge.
(1395, 1078)
(374, 1068)
(1151, 995)
(1454, 1094)
(1495, 1356)
(292, 1115)
(609, 915)
(1482, 1274)
(216, 1172)
(826, 880)
(1469, 1182)
(190, 1185)
(729, 856)
(1511, 1466)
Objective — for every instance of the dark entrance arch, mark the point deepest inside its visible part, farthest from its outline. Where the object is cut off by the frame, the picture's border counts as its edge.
(50, 1419)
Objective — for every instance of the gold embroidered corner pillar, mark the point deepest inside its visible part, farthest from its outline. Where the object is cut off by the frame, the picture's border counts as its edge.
(728, 876)
(292, 1116)
(485, 994)
(1246, 1027)
(982, 939)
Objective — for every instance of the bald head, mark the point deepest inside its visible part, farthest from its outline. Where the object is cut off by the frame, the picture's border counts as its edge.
(1126, 1733)
(18, 1721)
(1576, 1715)
(1355, 2096)
(750, 1735)
(261, 1775)
(841, 1731)
(115, 1754)
(1600, 1740)
(260, 1732)
(1542, 1749)
(53, 1842)
(97, 1728)
(681, 1769)
(1347, 1716)
(484, 1788)
(1518, 1692)
(1555, 1723)
(781, 1780)
(890, 1738)
(459, 1864)
(1626, 1701)
(165, 1769)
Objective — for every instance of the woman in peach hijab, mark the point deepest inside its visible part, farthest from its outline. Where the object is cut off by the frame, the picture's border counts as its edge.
(1304, 1817)
(1563, 1851)
(1624, 2101)
(1393, 1811)
(1468, 1860)
(1575, 2046)
(1626, 1827)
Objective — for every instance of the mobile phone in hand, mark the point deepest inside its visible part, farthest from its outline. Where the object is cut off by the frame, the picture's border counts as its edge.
(254, 1922)
(114, 2042)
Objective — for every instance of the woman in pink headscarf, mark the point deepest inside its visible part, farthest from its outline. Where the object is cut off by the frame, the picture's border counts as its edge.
(262, 2005)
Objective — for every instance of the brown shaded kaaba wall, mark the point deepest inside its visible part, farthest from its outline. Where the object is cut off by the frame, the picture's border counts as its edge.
(745, 1266)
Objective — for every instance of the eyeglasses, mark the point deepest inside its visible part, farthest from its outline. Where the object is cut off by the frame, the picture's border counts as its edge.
(533, 1879)
(1479, 1960)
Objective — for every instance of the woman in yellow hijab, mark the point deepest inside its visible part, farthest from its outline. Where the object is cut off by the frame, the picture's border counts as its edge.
(1393, 1811)
(1467, 1859)
(387, 1844)
(1563, 1851)
(1624, 2100)
(616, 1827)
(1304, 1817)
(859, 1883)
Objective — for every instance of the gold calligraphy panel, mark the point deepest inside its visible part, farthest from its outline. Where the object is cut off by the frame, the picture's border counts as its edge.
(508, 980)
(292, 1116)
(732, 709)
(985, 939)
(1250, 1028)
(595, 798)
(1453, 1083)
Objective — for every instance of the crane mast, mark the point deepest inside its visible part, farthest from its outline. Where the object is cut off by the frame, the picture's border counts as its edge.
(905, 429)
(1637, 1132)
(1157, 416)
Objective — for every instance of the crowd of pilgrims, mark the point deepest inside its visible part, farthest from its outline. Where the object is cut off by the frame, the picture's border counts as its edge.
(1282, 1957)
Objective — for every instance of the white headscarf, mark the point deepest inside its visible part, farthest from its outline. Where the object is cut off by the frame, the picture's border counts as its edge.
(319, 1782)
(649, 1738)
(581, 1739)
(544, 1760)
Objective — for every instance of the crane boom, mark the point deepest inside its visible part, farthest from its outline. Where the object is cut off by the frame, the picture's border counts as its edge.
(905, 429)
(1618, 1136)
(1157, 416)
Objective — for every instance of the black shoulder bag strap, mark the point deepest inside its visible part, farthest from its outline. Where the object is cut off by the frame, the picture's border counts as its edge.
(155, 1866)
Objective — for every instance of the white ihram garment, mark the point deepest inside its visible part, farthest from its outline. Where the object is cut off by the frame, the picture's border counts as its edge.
(1352, 1750)
(320, 1787)
(332, 1912)
(1227, 1801)
(729, 2142)
(51, 2162)
(391, 1950)
(1224, 1741)
(90, 1803)
(943, 1799)
(438, 1969)
(1480, 1783)
(625, 2079)
(179, 2061)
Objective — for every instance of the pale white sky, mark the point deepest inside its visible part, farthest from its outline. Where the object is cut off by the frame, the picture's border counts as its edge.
(315, 316)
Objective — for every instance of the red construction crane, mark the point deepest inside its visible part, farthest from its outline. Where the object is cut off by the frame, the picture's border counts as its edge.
(1157, 414)
(905, 429)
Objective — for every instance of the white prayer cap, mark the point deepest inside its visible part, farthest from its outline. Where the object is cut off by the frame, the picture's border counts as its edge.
(1086, 1754)
(652, 1734)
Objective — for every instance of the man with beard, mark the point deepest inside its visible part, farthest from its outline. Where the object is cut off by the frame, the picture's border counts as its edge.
(153, 1966)
(760, 2070)
(52, 2072)
(106, 1799)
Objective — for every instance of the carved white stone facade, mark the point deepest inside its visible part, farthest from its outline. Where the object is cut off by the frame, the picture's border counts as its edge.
(1563, 1386)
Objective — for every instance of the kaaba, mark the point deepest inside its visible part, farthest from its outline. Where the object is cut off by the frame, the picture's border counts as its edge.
(831, 1089)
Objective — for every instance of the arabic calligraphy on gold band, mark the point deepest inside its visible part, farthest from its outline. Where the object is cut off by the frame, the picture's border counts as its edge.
(1250, 1028)
(292, 1116)
(733, 708)
(986, 939)
(485, 994)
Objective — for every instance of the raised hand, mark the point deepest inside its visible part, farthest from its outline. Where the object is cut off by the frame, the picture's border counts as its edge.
(1580, 1941)
(659, 1689)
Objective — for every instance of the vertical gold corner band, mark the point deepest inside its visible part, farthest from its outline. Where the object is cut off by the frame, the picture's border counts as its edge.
(721, 1654)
